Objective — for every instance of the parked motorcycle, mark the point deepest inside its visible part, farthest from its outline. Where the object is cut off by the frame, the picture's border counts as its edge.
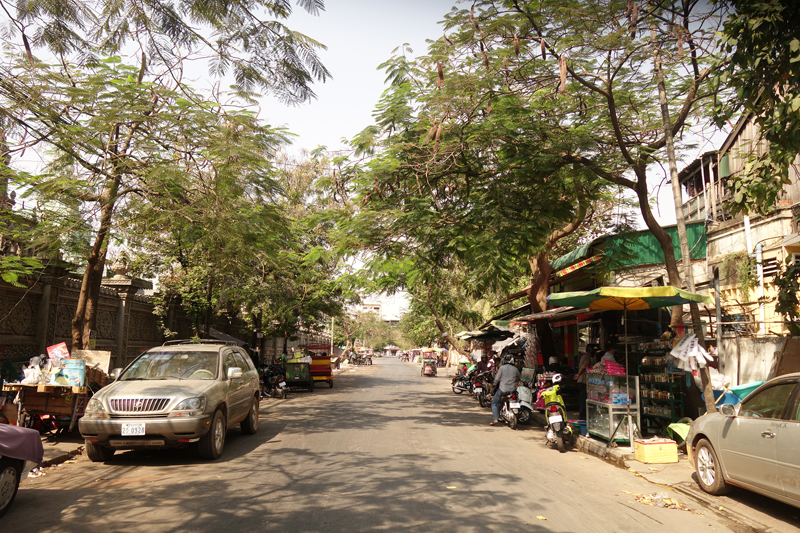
(483, 389)
(509, 408)
(555, 413)
(273, 382)
(461, 383)
(525, 393)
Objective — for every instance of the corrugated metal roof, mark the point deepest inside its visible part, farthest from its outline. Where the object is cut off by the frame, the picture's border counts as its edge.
(642, 248)
(639, 248)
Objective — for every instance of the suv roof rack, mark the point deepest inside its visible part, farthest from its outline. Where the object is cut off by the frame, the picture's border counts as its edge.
(199, 341)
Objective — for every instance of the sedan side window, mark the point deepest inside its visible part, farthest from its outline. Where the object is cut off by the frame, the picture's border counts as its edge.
(794, 412)
(768, 403)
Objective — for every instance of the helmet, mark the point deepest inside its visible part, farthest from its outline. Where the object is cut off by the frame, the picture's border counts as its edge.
(508, 359)
(556, 378)
(484, 357)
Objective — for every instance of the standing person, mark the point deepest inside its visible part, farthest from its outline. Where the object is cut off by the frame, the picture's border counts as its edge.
(506, 377)
(584, 363)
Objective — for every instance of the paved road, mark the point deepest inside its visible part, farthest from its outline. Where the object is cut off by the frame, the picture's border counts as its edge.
(384, 450)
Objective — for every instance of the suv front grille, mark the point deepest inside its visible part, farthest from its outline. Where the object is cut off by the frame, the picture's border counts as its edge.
(138, 405)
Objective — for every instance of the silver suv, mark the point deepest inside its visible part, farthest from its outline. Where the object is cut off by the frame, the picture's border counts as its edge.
(174, 395)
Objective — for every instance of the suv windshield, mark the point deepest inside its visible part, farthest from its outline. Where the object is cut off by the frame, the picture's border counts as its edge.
(173, 365)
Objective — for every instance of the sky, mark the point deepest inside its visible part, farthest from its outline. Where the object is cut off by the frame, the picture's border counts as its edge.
(360, 35)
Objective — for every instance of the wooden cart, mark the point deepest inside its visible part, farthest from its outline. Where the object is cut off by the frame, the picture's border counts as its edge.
(53, 400)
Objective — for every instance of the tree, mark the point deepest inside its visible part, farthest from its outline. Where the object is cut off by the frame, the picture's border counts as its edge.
(364, 329)
(250, 43)
(128, 148)
(760, 42)
(244, 39)
(584, 70)
(787, 280)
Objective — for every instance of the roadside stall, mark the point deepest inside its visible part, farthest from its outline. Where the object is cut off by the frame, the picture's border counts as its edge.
(613, 394)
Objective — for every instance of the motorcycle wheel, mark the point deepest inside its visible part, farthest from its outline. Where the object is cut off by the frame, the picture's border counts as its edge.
(457, 391)
(482, 399)
(281, 393)
(524, 417)
(560, 441)
(512, 420)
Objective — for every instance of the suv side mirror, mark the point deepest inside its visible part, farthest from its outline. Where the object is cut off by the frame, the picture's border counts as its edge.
(114, 375)
(727, 409)
(234, 373)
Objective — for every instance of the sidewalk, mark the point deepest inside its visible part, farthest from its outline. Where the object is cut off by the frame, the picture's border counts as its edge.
(745, 511)
(61, 448)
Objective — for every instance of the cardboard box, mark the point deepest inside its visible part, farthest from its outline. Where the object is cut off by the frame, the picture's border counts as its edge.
(72, 373)
(661, 451)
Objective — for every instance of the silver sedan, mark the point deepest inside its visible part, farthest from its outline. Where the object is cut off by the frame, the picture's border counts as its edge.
(755, 445)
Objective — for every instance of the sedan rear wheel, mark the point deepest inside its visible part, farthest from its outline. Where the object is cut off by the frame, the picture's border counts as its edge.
(709, 470)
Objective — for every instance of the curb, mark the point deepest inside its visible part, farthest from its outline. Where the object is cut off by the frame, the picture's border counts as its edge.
(610, 455)
(61, 458)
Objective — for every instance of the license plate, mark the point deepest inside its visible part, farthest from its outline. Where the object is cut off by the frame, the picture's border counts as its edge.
(514, 405)
(282, 385)
(477, 390)
(130, 429)
(554, 419)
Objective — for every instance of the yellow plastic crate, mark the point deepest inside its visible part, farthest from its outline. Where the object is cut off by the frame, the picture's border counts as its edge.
(661, 451)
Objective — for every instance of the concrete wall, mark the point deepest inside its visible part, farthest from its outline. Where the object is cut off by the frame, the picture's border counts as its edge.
(748, 359)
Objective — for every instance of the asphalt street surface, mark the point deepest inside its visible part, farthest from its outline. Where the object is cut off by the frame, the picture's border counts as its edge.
(384, 450)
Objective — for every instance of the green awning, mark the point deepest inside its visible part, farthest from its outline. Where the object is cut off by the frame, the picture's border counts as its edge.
(575, 255)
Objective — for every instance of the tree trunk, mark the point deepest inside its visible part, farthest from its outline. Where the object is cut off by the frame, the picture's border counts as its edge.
(94, 299)
(445, 334)
(682, 237)
(537, 297)
(209, 313)
(540, 277)
(663, 238)
(5, 163)
(94, 263)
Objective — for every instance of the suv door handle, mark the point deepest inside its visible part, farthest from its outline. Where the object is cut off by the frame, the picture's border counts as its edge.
(767, 434)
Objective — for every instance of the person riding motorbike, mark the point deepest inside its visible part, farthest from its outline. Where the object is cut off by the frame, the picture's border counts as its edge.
(506, 377)
(483, 365)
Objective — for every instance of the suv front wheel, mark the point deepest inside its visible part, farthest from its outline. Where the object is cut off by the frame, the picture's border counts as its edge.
(211, 444)
(98, 453)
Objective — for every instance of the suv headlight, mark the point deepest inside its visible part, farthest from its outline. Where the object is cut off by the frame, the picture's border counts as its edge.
(95, 409)
(189, 407)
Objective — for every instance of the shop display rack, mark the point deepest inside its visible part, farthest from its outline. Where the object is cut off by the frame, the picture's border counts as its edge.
(607, 405)
(661, 389)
